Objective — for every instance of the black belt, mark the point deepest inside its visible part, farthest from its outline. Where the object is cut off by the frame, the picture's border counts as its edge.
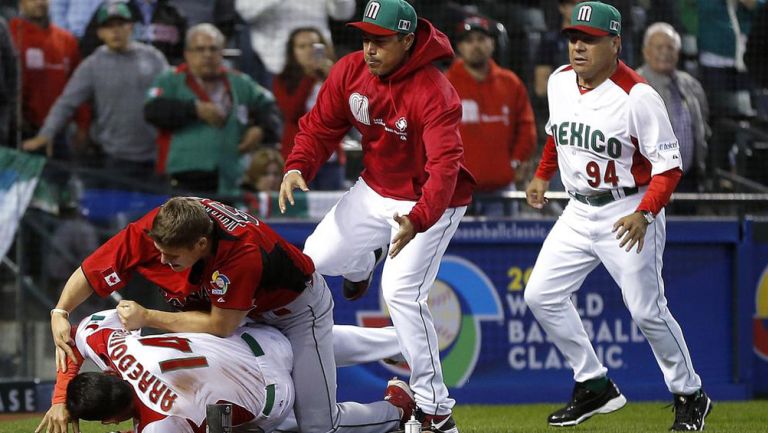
(603, 198)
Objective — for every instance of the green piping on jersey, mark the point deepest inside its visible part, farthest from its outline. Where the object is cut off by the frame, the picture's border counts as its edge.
(270, 399)
(253, 344)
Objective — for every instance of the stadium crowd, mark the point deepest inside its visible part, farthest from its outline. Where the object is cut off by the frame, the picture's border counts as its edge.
(205, 97)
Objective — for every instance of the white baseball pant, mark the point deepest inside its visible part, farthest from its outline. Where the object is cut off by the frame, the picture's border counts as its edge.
(343, 244)
(581, 239)
(308, 326)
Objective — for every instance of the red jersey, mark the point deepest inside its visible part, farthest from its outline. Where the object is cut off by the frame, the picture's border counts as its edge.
(497, 125)
(409, 121)
(250, 267)
(48, 56)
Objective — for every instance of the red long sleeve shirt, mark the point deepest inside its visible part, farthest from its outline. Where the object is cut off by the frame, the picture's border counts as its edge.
(409, 121)
(497, 126)
(48, 56)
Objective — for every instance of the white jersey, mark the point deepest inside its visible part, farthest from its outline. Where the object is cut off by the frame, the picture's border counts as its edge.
(615, 136)
(176, 375)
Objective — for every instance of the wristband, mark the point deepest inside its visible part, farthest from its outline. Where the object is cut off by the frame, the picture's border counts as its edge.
(292, 171)
(63, 312)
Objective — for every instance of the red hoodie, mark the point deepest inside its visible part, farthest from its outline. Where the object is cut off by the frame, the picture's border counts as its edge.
(409, 121)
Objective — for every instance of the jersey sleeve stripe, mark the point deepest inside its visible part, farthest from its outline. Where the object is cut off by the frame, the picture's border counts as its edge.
(253, 345)
(269, 404)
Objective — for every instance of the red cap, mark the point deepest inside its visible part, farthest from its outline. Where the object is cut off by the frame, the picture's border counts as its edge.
(372, 28)
(586, 29)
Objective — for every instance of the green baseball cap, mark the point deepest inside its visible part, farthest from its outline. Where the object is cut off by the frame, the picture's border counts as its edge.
(596, 19)
(110, 10)
(387, 18)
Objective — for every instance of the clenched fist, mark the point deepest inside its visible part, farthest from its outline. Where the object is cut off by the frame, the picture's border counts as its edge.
(132, 315)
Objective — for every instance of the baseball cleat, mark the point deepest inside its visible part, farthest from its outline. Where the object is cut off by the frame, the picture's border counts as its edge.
(690, 411)
(399, 395)
(354, 290)
(585, 403)
(440, 424)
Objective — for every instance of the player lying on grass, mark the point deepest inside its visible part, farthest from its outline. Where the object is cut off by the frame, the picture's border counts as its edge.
(164, 382)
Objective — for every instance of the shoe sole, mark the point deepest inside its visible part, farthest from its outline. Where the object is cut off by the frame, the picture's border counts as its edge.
(612, 405)
(360, 293)
(706, 412)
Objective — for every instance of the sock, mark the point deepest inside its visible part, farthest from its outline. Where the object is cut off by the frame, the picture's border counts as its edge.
(596, 385)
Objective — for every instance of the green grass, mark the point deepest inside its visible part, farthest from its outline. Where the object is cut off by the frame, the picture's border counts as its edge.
(741, 417)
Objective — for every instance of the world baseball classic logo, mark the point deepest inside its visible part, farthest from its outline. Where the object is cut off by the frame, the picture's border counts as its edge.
(760, 320)
(461, 297)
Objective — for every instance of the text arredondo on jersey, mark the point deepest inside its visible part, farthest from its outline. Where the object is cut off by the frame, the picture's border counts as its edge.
(609, 334)
(157, 391)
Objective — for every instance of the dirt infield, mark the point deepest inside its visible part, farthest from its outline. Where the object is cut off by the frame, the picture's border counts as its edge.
(16, 416)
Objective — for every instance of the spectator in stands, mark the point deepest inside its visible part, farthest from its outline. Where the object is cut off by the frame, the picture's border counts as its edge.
(497, 127)
(723, 28)
(156, 22)
(9, 80)
(309, 58)
(220, 13)
(272, 21)
(116, 77)
(265, 171)
(553, 51)
(48, 56)
(73, 15)
(74, 238)
(209, 116)
(685, 100)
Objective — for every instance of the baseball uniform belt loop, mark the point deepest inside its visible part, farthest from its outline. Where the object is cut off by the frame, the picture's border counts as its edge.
(604, 198)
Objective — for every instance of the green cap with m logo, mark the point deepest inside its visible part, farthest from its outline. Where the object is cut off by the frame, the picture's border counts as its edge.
(387, 17)
(596, 19)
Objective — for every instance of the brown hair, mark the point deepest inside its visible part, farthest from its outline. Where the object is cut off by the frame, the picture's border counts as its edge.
(181, 222)
(260, 162)
(293, 72)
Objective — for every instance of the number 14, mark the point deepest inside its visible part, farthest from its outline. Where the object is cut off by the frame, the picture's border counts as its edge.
(593, 172)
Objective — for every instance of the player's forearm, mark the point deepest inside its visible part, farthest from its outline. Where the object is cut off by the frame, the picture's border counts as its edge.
(548, 164)
(64, 377)
(75, 291)
(660, 190)
(188, 321)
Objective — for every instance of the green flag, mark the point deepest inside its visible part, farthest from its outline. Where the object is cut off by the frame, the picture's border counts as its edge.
(19, 173)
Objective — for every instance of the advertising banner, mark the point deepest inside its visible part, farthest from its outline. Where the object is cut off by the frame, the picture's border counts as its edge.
(759, 258)
(494, 351)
